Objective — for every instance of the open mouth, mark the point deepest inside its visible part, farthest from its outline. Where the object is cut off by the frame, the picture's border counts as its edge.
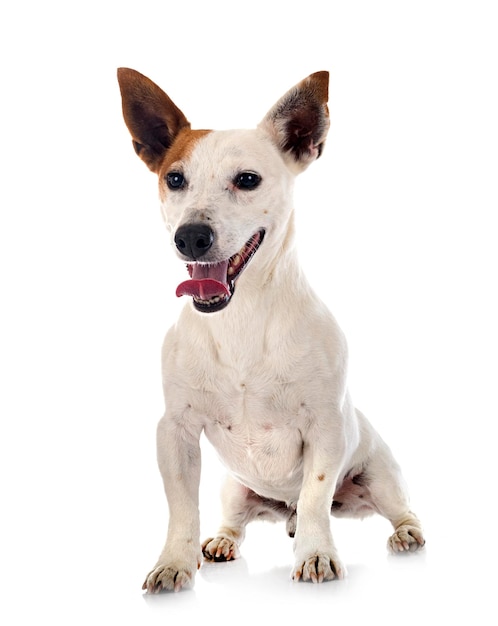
(212, 285)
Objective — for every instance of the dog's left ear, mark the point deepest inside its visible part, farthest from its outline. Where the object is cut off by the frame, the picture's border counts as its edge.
(299, 121)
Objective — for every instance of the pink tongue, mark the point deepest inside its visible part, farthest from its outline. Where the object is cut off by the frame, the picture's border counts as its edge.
(207, 281)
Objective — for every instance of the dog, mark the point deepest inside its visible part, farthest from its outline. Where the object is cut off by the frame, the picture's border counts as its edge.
(255, 361)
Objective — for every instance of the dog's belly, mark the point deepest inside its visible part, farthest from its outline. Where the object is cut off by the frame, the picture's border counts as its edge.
(263, 454)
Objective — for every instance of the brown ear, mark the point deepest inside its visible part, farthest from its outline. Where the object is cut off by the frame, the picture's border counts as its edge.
(151, 117)
(299, 121)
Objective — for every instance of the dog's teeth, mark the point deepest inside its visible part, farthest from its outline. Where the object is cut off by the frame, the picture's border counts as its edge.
(231, 270)
(214, 300)
(236, 259)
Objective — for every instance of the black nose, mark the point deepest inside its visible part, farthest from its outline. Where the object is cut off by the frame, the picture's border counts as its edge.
(194, 240)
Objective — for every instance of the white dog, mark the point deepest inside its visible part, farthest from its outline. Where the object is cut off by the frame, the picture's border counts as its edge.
(255, 361)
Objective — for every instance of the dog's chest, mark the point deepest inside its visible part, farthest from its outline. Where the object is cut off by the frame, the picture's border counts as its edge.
(255, 426)
(254, 396)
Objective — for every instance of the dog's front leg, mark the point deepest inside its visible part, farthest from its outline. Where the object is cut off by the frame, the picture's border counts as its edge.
(316, 557)
(179, 459)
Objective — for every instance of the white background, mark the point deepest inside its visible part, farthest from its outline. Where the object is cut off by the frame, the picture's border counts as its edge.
(397, 231)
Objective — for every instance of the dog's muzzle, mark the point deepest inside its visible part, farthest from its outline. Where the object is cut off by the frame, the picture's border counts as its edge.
(211, 285)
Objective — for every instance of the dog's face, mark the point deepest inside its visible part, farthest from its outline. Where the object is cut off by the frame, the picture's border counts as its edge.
(220, 198)
(226, 196)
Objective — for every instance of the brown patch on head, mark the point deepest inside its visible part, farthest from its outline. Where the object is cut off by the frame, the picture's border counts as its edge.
(321, 477)
(182, 148)
(179, 153)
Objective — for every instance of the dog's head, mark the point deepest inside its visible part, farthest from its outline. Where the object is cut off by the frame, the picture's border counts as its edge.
(225, 194)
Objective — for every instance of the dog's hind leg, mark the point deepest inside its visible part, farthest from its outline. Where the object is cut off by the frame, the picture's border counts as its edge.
(389, 497)
(240, 505)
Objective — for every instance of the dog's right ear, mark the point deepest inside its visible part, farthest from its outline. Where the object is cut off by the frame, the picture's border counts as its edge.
(298, 123)
(151, 116)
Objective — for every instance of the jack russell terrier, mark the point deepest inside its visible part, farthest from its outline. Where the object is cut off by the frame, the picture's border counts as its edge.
(255, 361)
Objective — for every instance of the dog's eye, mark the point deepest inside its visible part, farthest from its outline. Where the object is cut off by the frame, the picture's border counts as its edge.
(247, 180)
(175, 180)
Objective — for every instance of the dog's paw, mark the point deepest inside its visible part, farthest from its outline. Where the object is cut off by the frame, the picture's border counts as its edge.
(220, 549)
(170, 576)
(407, 538)
(318, 568)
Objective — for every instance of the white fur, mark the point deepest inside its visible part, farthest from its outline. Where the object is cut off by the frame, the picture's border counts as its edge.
(265, 379)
